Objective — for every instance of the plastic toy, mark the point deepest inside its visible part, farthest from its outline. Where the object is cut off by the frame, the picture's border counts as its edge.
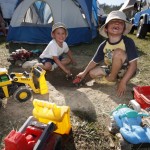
(33, 135)
(69, 77)
(21, 55)
(48, 112)
(19, 85)
(36, 52)
(141, 101)
(78, 82)
(142, 96)
(37, 135)
(127, 122)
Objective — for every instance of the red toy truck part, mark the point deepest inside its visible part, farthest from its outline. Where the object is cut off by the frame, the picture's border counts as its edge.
(32, 138)
(18, 141)
(142, 96)
(77, 80)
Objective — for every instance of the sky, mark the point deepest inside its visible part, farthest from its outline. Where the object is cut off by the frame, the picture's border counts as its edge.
(111, 2)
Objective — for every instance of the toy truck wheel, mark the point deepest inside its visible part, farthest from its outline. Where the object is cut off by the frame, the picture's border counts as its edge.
(19, 63)
(132, 30)
(142, 29)
(134, 105)
(22, 94)
(12, 62)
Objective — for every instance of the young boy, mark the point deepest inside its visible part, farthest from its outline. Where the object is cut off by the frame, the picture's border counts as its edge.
(52, 55)
(118, 53)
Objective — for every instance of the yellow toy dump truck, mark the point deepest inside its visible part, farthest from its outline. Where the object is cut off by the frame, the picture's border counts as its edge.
(21, 85)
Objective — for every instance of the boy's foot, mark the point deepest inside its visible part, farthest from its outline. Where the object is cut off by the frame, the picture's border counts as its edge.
(103, 80)
(29, 64)
(54, 66)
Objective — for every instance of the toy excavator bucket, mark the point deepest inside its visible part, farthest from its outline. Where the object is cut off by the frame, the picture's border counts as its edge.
(47, 112)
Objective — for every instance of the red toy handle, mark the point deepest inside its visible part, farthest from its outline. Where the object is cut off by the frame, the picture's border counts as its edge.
(77, 80)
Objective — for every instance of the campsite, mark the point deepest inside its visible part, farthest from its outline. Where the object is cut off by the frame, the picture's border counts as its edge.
(39, 17)
(90, 104)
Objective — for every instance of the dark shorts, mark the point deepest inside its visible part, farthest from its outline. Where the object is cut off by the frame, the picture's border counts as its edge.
(44, 60)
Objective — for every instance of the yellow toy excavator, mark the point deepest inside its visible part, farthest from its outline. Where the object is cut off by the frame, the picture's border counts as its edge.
(21, 85)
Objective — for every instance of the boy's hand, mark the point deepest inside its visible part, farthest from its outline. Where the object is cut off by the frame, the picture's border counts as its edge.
(68, 72)
(121, 89)
(81, 75)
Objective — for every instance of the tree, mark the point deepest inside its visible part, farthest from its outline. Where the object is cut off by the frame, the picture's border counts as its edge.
(108, 8)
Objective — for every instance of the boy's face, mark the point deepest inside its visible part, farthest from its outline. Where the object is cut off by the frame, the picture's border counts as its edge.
(59, 35)
(115, 27)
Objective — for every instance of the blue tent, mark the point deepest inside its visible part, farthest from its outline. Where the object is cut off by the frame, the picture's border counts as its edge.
(33, 19)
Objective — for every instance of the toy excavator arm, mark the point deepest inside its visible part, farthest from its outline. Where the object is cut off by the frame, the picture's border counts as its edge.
(45, 135)
(39, 74)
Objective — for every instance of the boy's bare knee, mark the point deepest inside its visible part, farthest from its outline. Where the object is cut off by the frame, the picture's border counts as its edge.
(91, 74)
(119, 53)
(68, 61)
(47, 67)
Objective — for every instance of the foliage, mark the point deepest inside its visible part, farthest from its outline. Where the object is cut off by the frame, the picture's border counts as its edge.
(108, 8)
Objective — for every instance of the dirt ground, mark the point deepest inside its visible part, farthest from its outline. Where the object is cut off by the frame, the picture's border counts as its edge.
(89, 102)
(90, 105)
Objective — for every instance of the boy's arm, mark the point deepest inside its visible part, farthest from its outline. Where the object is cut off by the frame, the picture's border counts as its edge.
(127, 76)
(89, 67)
(58, 62)
(69, 53)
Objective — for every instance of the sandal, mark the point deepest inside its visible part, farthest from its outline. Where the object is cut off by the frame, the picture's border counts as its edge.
(103, 80)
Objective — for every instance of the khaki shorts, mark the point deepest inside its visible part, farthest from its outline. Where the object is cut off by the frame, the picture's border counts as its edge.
(122, 71)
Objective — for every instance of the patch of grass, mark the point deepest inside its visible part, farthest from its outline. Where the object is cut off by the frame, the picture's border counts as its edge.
(87, 49)
(142, 44)
(143, 47)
